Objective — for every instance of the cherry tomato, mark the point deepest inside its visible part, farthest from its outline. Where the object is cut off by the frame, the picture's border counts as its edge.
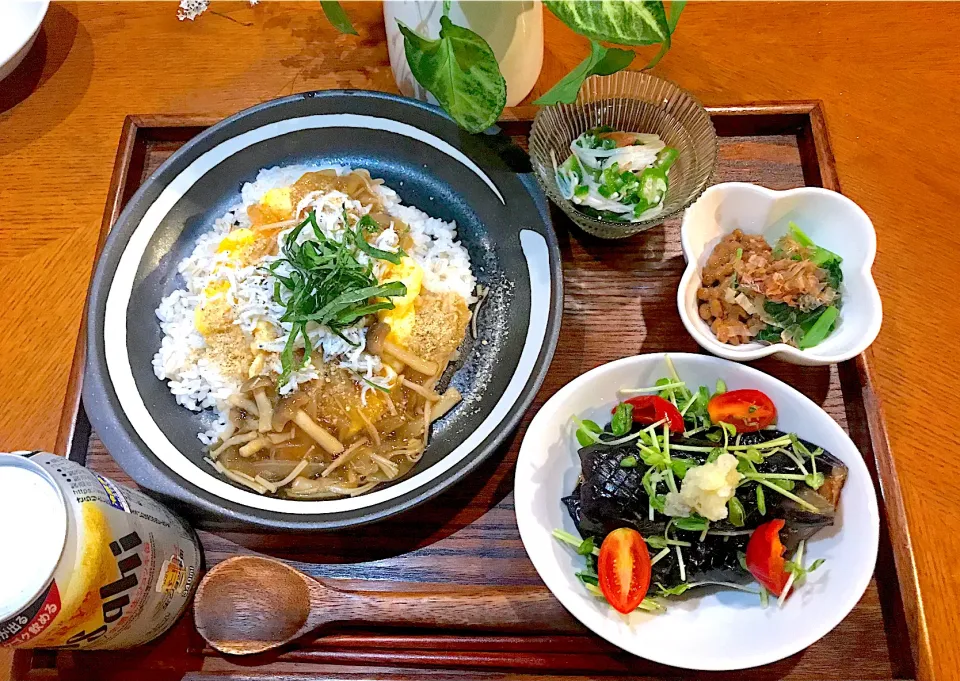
(748, 410)
(624, 569)
(765, 557)
(649, 409)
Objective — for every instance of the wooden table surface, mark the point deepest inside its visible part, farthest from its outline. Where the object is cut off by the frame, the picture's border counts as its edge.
(887, 73)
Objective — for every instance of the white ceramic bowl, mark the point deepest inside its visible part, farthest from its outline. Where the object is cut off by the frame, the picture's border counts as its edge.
(832, 220)
(19, 25)
(707, 630)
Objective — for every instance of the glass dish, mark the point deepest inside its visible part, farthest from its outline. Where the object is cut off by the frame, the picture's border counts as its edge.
(631, 101)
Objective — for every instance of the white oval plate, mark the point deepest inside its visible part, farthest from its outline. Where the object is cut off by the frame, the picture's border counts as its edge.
(709, 629)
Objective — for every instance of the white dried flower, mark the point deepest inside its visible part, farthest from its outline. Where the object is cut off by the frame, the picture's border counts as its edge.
(191, 9)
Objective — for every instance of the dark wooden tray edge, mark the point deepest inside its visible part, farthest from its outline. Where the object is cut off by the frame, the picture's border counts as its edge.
(891, 496)
(806, 119)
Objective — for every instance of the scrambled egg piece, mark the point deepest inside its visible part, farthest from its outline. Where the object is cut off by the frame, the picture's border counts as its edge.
(373, 410)
(403, 316)
(442, 320)
(340, 402)
(214, 314)
(275, 206)
(706, 489)
(244, 246)
(262, 333)
(236, 241)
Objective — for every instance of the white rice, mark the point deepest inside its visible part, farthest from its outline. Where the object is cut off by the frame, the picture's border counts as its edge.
(198, 384)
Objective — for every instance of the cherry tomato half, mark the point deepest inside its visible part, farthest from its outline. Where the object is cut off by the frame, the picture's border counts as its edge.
(748, 410)
(624, 569)
(649, 409)
(765, 557)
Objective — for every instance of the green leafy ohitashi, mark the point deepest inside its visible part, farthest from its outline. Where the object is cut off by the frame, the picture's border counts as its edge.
(788, 293)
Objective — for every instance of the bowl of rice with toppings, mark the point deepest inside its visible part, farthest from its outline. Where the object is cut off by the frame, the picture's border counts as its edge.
(316, 321)
(311, 318)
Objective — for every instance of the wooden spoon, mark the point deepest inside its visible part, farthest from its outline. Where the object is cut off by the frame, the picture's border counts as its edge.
(250, 604)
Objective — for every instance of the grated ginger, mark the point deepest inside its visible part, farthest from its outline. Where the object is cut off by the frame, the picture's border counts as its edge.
(706, 489)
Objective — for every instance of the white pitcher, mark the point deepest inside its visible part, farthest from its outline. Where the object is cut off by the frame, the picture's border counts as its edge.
(513, 28)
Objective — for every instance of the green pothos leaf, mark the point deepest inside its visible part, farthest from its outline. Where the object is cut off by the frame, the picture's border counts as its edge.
(676, 7)
(602, 61)
(664, 48)
(624, 22)
(337, 16)
(461, 71)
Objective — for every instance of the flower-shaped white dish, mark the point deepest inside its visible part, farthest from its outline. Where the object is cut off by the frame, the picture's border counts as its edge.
(708, 628)
(832, 220)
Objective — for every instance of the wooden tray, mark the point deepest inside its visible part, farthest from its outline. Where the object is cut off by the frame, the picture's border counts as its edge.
(469, 534)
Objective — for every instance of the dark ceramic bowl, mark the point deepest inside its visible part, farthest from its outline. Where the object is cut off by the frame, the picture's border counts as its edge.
(482, 182)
